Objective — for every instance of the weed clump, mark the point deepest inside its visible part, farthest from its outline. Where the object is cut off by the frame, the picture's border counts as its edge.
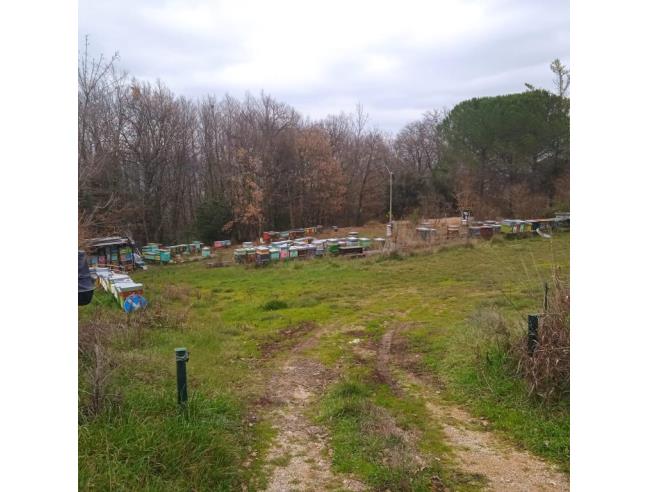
(274, 305)
(491, 334)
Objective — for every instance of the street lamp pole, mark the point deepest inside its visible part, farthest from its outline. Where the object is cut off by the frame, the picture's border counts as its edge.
(388, 244)
(391, 179)
(391, 194)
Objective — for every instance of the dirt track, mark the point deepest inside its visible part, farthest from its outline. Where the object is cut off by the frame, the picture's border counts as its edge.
(300, 455)
(477, 450)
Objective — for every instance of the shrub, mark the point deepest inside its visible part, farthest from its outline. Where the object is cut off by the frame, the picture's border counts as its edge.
(96, 365)
(546, 371)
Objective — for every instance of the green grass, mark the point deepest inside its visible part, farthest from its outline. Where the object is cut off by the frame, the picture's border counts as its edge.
(150, 445)
(236, 321)
(368, 423)
(361, 447)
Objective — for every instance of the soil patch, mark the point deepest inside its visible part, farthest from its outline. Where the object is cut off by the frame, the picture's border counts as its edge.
(285, 338)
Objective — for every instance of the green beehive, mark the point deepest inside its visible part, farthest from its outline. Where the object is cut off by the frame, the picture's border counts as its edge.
(507, 226)
(274, 254)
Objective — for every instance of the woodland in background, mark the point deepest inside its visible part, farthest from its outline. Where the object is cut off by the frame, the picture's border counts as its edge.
(163, 168)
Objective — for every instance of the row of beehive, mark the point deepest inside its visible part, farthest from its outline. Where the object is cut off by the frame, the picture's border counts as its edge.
(304, 248)
(290, 235)
(485, 230)
(128, 293)
(510, 227)
(516, 226)
(154, 252)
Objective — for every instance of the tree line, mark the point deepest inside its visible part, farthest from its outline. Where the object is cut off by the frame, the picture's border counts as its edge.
(162, 167)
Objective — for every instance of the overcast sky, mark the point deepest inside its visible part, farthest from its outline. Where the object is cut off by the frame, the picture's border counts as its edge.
(397, 58)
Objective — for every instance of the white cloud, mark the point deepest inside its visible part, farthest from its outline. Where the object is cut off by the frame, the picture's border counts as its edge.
(398, 58)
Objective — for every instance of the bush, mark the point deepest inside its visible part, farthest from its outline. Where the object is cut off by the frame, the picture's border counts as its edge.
(547, 370)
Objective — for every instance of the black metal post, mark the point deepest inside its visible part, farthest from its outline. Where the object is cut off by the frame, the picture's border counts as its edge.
(533, 333)
(546, 297)
(182, 356)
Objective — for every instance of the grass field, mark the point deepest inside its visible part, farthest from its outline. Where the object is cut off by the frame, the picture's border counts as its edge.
(239, 323)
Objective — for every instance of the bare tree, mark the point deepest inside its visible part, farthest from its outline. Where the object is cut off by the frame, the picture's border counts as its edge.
(151, 163)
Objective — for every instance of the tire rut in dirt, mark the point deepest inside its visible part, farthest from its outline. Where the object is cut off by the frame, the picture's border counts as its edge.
(300, 457)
